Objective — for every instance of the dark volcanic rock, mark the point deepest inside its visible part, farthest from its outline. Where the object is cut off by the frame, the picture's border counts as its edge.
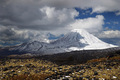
(88, 77)
(95, 73)
(27, 73)
(81, 67)
(5, 69)
(65, 79)
(99, 67)
(80, 78)
(88, 67)
(28, 65)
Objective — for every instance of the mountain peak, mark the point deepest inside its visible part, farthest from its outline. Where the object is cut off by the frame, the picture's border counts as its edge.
(77, 39)
(78, 30)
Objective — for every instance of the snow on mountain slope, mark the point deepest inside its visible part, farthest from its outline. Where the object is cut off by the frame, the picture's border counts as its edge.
(30, 46)
(91, 41)
(77, 39)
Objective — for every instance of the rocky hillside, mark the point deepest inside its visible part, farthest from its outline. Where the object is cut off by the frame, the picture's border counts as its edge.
(78, 57)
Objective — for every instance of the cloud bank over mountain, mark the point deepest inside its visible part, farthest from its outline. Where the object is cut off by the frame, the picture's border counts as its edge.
(48, 14)
(22, 20)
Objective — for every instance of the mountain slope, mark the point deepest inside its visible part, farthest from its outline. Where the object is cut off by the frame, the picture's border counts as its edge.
(75, 40)
(91, 41)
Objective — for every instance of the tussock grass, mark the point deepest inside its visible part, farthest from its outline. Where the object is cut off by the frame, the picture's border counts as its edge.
(29, 77)
(36, 69)
(104, 59)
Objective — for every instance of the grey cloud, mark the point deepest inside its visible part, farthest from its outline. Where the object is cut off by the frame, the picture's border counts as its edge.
(26, 14)
(14, 36)
(109, 34)
(9, 35)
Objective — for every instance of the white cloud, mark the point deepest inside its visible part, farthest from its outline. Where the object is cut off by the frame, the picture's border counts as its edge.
(31, 17)
(92, 25)
(118, 13)
(110, 34)
(105, 5)
(42, 17)
(32, 35)
(115, 22)
(96, 5)
(12, 35)
(33, 14)
(53, 17)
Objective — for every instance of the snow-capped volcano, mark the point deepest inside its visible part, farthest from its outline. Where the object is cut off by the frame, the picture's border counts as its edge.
(89, 41)
(77, 39)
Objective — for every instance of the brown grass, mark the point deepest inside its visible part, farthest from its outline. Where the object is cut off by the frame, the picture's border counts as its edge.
(97, 60)
(29, 77)
(104, 59)
(115, 58)
(48, 68)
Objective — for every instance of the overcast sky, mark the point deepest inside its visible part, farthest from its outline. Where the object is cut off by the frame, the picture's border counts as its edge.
(24, 20)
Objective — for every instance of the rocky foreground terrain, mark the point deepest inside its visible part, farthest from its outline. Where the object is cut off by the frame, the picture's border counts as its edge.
(37, 69)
